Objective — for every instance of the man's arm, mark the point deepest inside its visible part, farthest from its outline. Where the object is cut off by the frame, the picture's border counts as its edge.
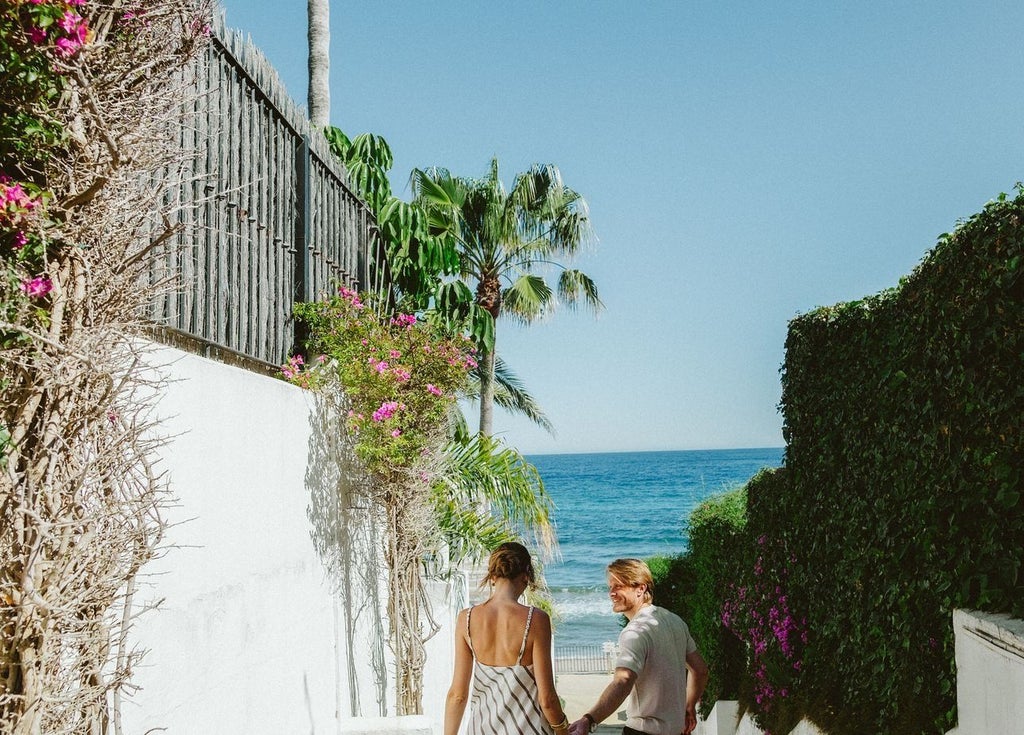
(696, 680)
(613, 695)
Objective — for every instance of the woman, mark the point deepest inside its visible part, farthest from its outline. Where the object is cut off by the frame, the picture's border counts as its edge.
(513, 683)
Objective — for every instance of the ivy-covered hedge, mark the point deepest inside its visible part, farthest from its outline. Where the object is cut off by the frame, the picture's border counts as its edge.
(905, 453)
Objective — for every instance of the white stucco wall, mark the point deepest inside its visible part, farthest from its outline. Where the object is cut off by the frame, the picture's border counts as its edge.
(724, 719)
(250, 636)
(989, 673)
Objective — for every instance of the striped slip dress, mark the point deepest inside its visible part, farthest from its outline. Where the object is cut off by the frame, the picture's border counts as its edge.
(504, 699)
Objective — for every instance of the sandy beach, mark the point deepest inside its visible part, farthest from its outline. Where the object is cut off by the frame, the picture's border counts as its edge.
(579, 692)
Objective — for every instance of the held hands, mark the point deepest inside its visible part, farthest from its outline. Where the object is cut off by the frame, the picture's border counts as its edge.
(580, 727)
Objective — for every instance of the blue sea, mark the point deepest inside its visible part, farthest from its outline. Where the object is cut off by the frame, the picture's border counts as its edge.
(622, 504)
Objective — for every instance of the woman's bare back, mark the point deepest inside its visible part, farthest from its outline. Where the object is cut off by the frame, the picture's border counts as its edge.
(496, 631)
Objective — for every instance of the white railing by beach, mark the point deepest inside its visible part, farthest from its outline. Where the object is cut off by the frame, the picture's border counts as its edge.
(596, 658)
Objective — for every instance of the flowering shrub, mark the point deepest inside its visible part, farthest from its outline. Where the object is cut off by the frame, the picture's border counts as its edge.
(400, 376)
(38, 41)
(760, 614)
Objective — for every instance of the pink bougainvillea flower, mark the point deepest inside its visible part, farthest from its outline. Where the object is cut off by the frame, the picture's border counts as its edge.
(37, 36)
(36, 288)
(387, 410)
(14, 195)
(20, 240)
(396, 433)
(395, 354)
(67, 46)
(70, 21)
(434, 389)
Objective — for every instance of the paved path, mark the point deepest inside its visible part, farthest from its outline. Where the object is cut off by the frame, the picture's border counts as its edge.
(579, 692)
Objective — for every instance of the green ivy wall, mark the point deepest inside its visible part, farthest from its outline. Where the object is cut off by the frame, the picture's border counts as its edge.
(905, 460)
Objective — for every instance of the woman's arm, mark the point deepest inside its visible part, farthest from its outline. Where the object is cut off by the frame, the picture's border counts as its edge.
(458, 692)
(540, 631)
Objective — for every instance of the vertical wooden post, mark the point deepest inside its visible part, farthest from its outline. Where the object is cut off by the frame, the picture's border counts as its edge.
(303, 235)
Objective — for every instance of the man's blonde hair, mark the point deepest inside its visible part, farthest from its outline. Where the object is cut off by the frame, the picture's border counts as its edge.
(634, 572)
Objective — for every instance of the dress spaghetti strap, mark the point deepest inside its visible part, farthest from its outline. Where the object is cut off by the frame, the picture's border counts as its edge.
(522, 648)
(469, 636)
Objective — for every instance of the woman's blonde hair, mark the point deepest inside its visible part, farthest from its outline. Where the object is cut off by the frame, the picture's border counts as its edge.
(508, 561)
(634, 572)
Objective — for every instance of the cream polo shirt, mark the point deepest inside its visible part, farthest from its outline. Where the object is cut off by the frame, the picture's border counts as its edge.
(654, 644)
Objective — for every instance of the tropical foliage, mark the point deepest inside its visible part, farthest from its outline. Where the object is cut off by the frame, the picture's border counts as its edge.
(441, 497)
(423, 258)
(506, 240)
(401, 378)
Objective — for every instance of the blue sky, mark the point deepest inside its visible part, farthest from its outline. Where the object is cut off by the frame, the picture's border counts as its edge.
(743, 162)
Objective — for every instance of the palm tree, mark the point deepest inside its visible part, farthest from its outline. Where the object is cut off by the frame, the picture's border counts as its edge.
(319, 36)
(505, 240)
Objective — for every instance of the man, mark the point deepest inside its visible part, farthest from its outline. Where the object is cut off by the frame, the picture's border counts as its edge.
(657, 665)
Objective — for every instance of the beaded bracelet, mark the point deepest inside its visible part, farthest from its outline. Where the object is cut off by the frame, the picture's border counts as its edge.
(564, 724)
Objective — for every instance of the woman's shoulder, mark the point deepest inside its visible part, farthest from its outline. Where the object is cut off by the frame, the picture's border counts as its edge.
(540, 617)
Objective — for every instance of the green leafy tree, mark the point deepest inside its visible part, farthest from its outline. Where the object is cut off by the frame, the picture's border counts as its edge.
(423, 256)
(506, 241)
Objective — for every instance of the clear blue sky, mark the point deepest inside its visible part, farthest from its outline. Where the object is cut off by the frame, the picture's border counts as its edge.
(743, 162)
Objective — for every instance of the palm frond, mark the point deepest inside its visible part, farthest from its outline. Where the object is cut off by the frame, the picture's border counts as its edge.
(527, 298)
(487, 482)
(510, 394)
(575, 285)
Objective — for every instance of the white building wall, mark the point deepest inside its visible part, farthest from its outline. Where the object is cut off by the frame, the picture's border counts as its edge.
(989, 673)
(261, 627)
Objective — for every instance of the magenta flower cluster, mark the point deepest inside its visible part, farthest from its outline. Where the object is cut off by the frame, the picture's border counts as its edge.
(18, 211)
(761, 615)
(17, 208)
(36, 288)
(67, 35)
(404, 320)
(352, 297)
(387, 410)
(294, 366)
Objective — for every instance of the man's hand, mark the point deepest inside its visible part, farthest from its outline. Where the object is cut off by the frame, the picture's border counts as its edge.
(691, 720)
(580, 727)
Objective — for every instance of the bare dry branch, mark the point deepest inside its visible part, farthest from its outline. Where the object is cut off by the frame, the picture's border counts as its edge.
(80, 502)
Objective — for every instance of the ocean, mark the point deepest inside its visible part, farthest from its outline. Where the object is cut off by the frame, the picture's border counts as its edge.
(621, 504)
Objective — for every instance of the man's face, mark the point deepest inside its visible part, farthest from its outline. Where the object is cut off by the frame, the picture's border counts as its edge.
(626, 598)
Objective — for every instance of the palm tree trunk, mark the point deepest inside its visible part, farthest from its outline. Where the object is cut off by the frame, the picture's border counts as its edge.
(319, 93)
(487, 392)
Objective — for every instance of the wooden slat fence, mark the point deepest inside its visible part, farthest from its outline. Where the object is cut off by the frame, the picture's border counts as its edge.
(267, 216)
